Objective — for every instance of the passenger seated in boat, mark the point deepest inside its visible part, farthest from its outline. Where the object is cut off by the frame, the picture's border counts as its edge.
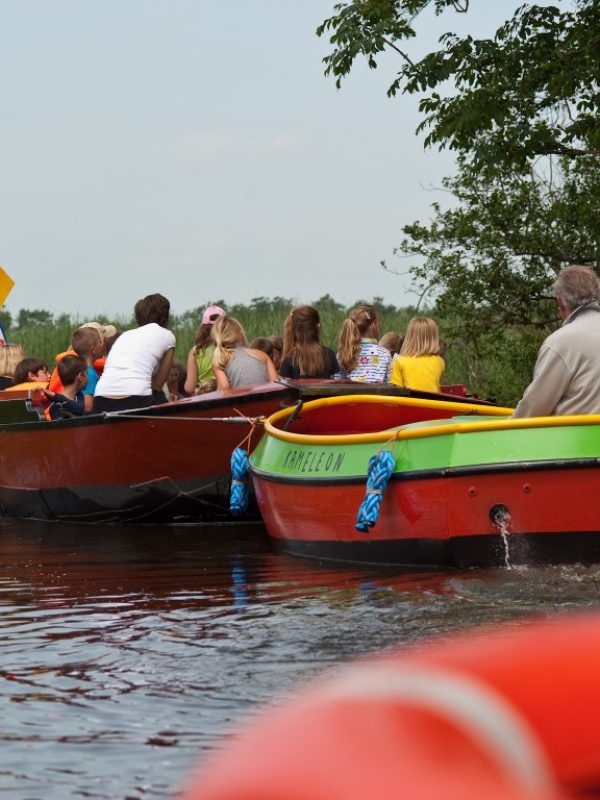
(10, 355)
(139, 361)
(304, 354)
(176, 381)
(419, 364)
(73, 372)
(263, 343)
(88, 344)
(277, 351)
(30, 373)
(392, 341)
(566, 375)
(200, 376)
(234, 363)
(107, 333)
(359, 356)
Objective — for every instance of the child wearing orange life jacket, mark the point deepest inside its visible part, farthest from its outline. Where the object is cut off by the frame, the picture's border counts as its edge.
(107, 333)
(87, 343)
(30, 373)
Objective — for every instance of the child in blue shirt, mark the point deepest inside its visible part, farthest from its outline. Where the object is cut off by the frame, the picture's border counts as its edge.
(73, 373)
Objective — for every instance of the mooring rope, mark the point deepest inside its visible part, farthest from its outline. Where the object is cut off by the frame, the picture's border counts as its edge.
(381, 467)
(240, 495)
(173, 418)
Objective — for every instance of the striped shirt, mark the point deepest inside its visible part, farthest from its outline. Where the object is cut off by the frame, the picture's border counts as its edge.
(374, 364)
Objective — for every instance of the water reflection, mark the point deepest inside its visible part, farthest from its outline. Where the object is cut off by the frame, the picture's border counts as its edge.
(127, 651)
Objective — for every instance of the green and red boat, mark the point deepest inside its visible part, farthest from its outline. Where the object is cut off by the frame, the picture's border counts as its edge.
(468, 484)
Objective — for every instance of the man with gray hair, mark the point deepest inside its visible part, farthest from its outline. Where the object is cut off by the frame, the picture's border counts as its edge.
(566, 376)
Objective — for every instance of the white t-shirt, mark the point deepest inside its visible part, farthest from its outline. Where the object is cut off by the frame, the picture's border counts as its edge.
(133, 360)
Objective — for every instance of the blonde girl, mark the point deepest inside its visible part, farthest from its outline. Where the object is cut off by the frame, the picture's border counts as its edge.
(359, 356)
(419, 364)
(10, 355)
(235, 364)
(304, 354)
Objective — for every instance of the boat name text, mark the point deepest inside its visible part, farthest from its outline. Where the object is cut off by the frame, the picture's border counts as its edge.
(313, 461)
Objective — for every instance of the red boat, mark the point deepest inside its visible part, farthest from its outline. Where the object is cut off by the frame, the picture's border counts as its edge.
(161, 464)
(429, 483)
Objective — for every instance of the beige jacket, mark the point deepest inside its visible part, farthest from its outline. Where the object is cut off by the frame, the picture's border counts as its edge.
(566, 376)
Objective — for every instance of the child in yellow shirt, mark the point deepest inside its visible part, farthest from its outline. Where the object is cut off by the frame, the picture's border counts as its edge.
(419, 365)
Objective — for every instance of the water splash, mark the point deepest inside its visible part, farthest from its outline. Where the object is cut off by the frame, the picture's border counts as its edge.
(500, 516)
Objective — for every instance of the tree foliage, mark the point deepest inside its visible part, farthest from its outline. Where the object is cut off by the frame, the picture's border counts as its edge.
(521, 111)
(490, 258)
(533, 89)
(28, 317)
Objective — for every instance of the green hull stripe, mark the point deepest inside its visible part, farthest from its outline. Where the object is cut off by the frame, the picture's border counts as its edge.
(485, 450)
(448, 472)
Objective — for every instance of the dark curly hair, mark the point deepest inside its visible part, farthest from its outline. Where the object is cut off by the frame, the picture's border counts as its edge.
(152, 308)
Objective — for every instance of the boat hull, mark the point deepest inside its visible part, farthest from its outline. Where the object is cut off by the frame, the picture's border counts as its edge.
(462, 493)
(163, 464)
(440, 522)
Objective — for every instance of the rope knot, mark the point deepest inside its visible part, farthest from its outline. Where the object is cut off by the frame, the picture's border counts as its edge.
(381, 467)
(238, 498)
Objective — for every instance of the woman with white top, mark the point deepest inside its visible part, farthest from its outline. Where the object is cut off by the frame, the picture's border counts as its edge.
(140, 360)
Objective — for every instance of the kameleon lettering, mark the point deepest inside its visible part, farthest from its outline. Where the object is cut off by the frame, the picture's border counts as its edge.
(312, 461)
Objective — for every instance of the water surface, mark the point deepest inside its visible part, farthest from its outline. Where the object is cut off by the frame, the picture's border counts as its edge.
(128, 651)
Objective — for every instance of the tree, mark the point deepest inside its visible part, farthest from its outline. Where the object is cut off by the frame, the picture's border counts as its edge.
(490, 258)
(521, 112)
(28, 317)
(533, 89)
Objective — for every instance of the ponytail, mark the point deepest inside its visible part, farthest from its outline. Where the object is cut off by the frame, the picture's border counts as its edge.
(226, 333)
(360, 320)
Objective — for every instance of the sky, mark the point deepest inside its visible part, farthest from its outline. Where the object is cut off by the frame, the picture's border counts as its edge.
(195, 148)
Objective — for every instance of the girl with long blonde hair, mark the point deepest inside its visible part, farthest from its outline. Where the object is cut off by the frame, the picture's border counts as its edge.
(419, 364)
(234, 363)
(10, 355)
(304, 354)
(359, 356)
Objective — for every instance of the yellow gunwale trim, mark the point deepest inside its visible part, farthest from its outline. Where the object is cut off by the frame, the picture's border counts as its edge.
(477, 426)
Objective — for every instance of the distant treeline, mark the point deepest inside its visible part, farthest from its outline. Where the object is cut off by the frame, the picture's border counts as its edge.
(44, 334)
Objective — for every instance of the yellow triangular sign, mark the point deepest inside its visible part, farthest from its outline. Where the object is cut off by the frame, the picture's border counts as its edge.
(6, 284)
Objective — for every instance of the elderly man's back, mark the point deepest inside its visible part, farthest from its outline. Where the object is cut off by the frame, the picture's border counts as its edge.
(566, 377)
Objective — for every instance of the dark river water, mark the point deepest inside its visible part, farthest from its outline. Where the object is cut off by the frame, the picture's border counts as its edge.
(127, 652)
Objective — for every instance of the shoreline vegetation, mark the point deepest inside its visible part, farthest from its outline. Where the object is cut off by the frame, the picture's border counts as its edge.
(44, 335)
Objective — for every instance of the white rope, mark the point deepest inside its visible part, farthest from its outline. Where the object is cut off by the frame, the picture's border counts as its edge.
(469, 704)
(172, 417)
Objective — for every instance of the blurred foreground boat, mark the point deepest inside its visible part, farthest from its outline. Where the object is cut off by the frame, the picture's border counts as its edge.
(498, 714)
(429, 483)
(161, 464)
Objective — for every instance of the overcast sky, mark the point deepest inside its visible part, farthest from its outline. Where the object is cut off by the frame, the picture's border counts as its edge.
(195, 148)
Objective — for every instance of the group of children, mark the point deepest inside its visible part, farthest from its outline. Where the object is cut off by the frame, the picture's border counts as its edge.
(220, 358)
(69, 390)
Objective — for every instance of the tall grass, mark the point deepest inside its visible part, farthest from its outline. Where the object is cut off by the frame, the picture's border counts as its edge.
(500, 372)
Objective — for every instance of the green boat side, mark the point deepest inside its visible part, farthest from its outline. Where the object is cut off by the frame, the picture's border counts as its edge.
(470, 448)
